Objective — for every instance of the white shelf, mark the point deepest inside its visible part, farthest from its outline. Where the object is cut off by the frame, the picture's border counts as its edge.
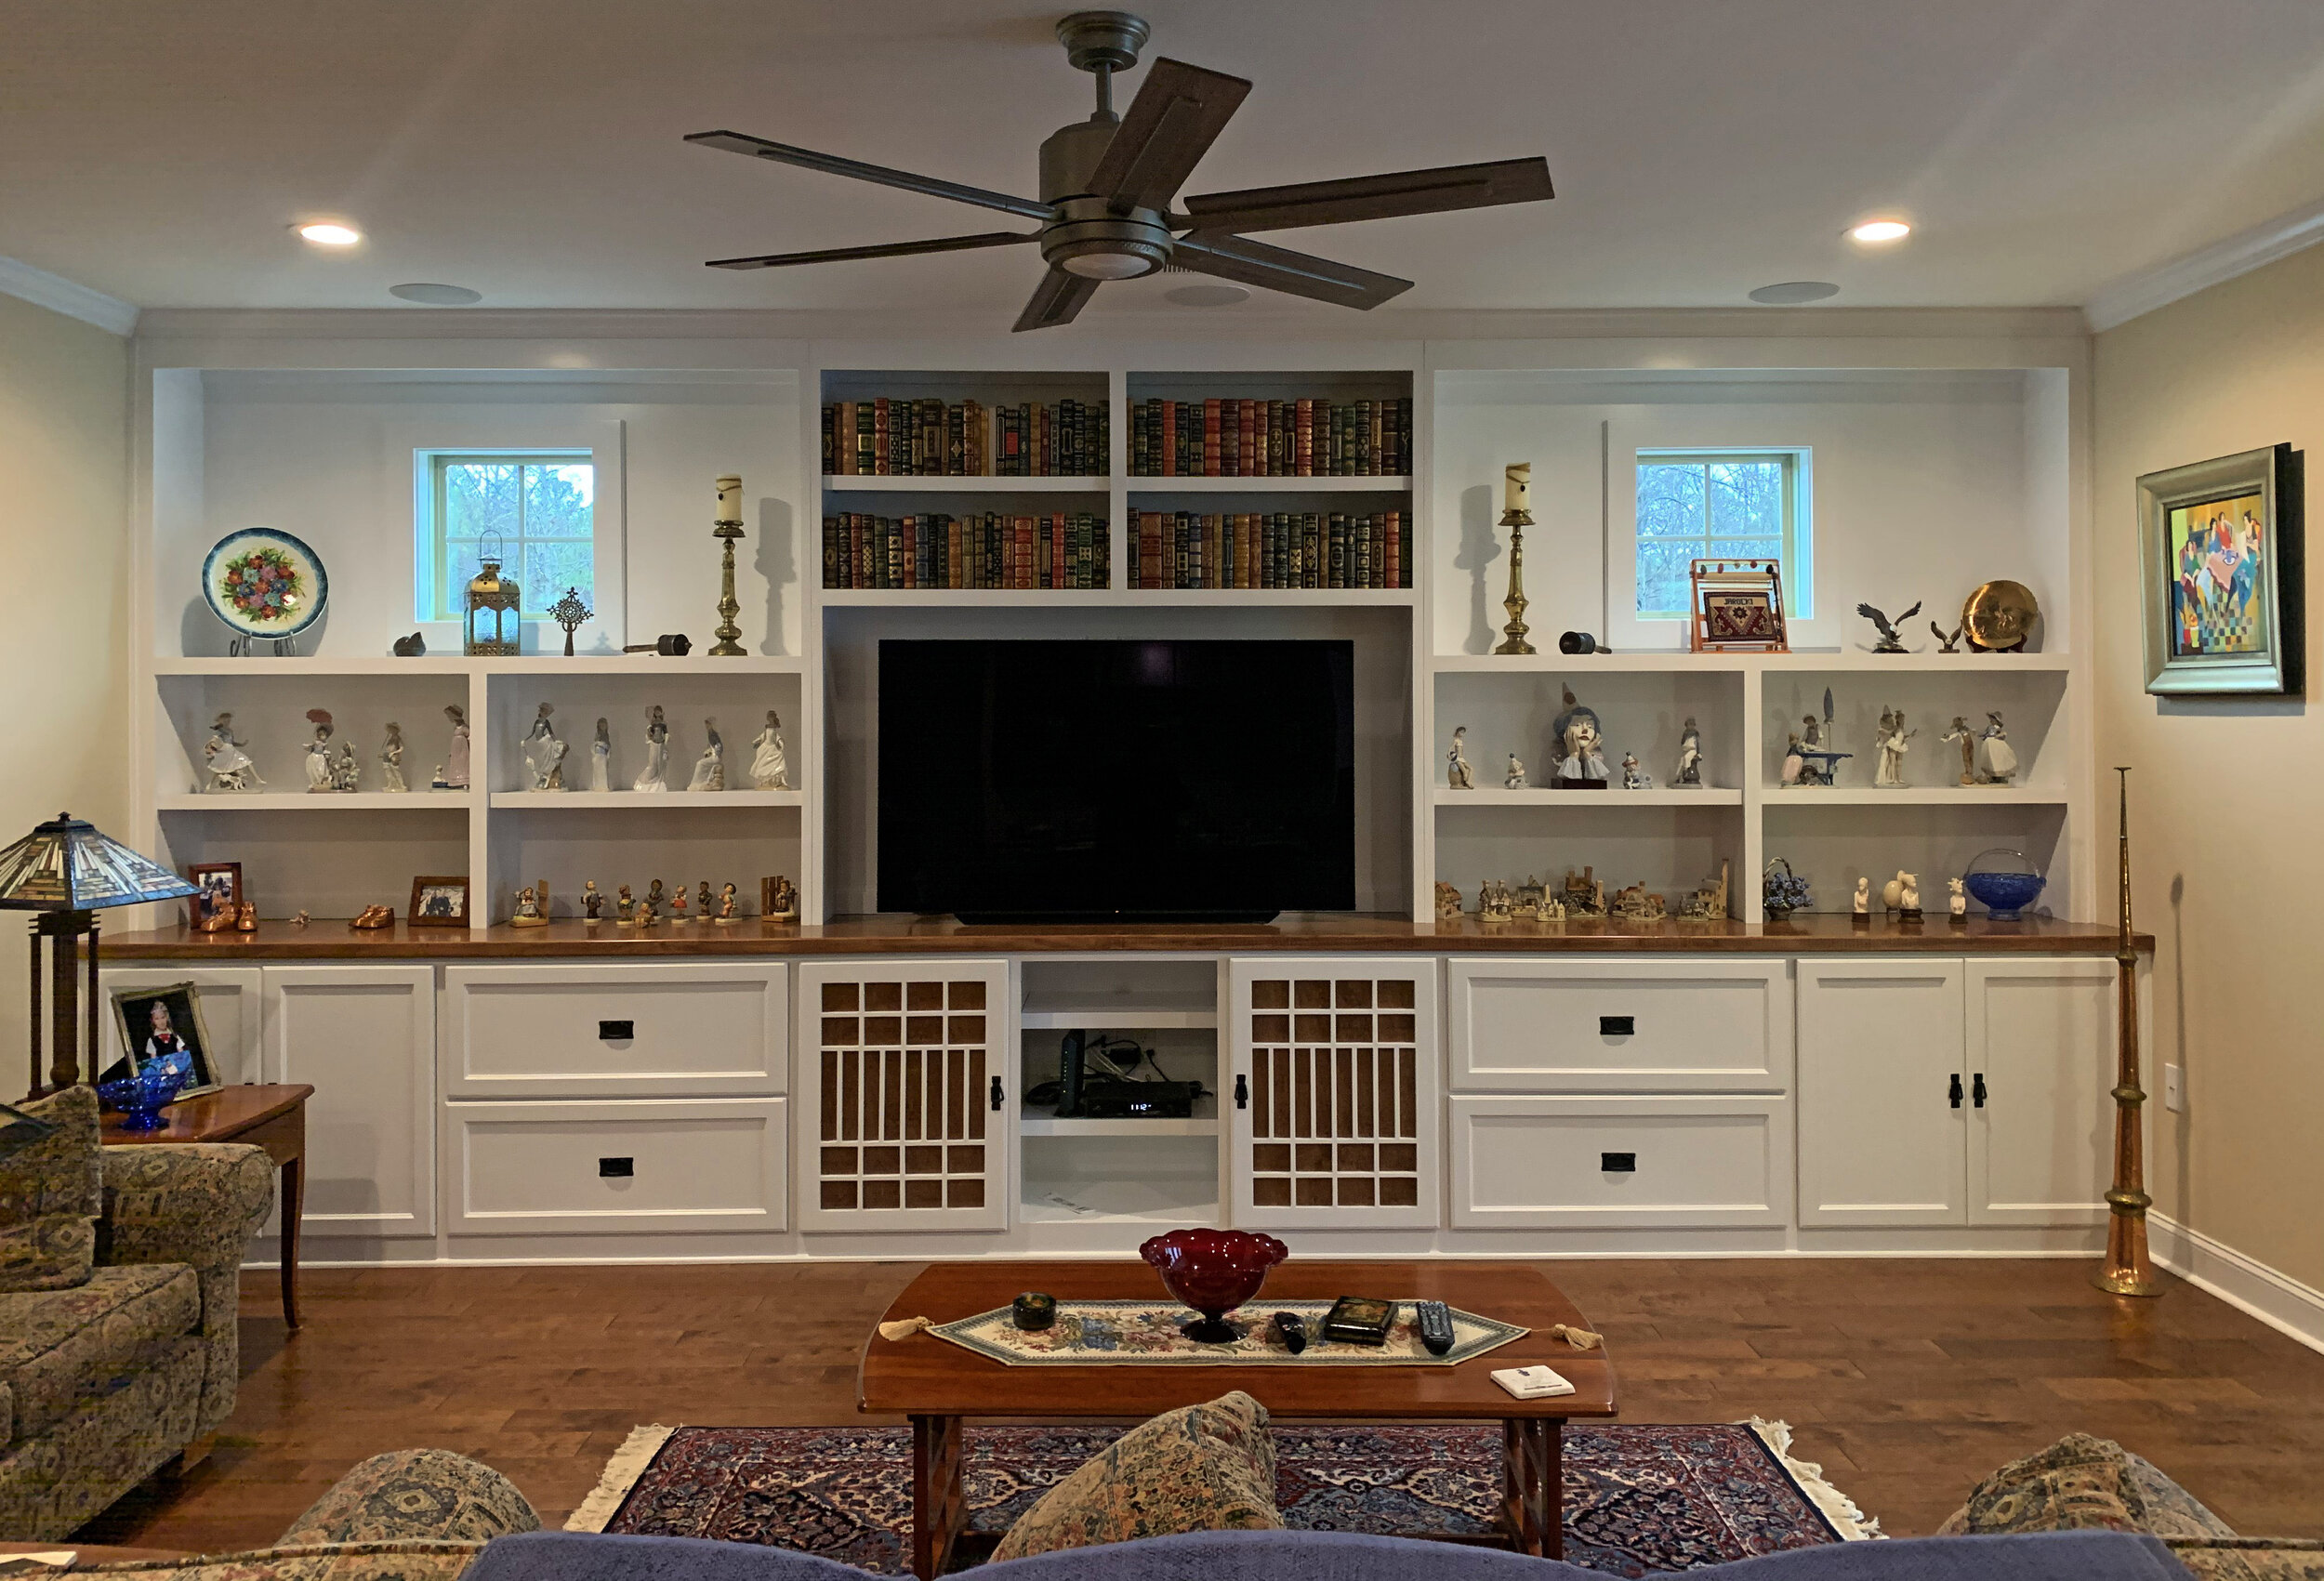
(882, 483)
(1913, 796)
(314, 801)
(1852, 663)
(648, 800)
(325, 667)
(1336, 484)
(1126, 1202)
(1039, 1123)
(1149, 1015)
(1709, 796)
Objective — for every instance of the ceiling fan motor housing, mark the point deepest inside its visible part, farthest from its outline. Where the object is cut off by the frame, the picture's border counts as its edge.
(1088, 238)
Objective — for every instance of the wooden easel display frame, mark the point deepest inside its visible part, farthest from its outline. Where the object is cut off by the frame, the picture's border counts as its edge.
(1736, 607)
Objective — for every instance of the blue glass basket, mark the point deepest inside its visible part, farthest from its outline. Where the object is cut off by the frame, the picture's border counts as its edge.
(2004, 882)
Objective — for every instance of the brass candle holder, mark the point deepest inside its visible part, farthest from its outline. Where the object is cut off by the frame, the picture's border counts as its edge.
(2127, 1271)
(1513, 634)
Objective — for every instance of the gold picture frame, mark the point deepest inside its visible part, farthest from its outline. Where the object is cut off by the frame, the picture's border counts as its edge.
(180, 1005)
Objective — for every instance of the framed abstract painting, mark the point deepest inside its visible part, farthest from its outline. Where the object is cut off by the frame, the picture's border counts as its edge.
(2221, 548)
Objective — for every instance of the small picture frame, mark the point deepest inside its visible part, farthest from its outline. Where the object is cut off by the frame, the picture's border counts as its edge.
(2222, 576)
(1738, 607)
(439, 903)
(220, 883)
(163, 1026)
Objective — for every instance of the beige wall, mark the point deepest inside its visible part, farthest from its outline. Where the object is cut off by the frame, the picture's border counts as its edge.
(64, 435)
(2228, 798)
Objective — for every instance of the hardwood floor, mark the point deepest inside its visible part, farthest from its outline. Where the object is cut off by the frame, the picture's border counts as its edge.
(1908, 1380)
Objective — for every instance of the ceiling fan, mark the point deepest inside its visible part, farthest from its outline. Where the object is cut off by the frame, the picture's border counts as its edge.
(1107, 184)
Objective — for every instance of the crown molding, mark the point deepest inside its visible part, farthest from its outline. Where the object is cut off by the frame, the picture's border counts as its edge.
(2133, 295)
(67, 296)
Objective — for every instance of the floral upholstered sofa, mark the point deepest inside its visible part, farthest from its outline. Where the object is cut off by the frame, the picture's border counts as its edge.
(104, 1380)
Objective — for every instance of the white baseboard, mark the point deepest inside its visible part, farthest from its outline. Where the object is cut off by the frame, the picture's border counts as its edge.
(2277, 1299)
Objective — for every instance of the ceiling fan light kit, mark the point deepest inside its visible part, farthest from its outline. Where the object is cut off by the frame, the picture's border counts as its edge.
(1107, 184)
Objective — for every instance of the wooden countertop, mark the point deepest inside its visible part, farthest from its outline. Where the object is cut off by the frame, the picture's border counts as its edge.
(1807, 934)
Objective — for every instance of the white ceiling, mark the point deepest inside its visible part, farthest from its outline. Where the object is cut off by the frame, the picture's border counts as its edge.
(530, 147)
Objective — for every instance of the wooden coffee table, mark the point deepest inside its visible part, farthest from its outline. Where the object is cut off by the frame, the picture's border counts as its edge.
(938, 1384)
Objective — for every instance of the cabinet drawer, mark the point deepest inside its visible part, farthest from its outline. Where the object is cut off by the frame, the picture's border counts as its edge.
(1619, 1161)
(606, 1031)
(651, 1166)
(1595, 1026)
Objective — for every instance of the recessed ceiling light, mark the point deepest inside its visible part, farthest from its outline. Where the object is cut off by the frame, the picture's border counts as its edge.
(436, 296)
(1791, 293)
(1877, 230)
(330, 233)
(1206, 296)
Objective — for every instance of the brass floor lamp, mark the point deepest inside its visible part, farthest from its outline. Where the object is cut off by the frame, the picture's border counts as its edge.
(2127, 1271)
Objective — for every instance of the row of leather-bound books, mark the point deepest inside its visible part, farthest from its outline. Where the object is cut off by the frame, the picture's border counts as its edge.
(1271, 549)
(1306, 436)
(926, 437)
(988, 550)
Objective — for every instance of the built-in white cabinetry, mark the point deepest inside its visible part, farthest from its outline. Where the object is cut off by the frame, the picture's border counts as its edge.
(627, 1166)
(227, 999)
(697, 1029)
(906, 1091)
(1607, 1024)
(1332, 1091)
(1675, 1161)
(365, 1038)
(1945, 1092)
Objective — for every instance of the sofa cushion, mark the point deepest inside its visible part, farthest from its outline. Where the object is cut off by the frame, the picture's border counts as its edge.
(2083, 1481)
(2250, 1559)
(1204, 1468)
(51, 1191)
(59, 1347)
(51, 1482)
(415, 1493)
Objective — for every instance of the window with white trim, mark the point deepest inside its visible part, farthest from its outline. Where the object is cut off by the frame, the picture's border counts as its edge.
(540, 504)
(1720, 504)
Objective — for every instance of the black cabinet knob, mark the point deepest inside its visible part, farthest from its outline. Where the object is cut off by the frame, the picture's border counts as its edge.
(616, 1032)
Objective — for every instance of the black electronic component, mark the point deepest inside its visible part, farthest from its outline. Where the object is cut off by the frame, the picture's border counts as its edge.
(1434, 1319)
(1294, 1331)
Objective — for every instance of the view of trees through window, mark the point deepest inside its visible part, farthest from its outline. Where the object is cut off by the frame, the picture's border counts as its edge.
(542, 507)
(1708, 507)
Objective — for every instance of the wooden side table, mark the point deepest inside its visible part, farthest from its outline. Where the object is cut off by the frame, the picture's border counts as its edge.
(272, 1115)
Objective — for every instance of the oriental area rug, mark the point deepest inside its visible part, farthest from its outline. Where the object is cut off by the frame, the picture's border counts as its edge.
(1638, 1499)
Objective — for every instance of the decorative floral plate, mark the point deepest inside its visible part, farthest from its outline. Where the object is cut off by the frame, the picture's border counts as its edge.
(262, 583)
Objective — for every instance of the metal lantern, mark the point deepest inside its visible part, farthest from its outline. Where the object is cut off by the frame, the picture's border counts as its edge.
(494, 628)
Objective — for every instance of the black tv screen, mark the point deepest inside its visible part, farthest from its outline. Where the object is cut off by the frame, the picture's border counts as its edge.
(1124, 781)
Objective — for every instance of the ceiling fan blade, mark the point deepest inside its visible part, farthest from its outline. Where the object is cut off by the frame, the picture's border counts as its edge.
(1056, 300)
(831, 164)
(885, 250)
(1278, 268)
(1179, 112)
(1374, 197)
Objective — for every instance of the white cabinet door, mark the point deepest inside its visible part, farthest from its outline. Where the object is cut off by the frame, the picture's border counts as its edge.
(2041, 1067)
(226, 998)
(1883, 1102)
(645, 1165)
(365, 1038)
(1660, 1161)
(615, 1028)
(1602, 1024)
(1332, 1093)
(904, 1073)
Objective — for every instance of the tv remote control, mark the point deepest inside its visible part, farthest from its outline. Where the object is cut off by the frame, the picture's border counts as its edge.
(1434, 1321)
(1294, 1331)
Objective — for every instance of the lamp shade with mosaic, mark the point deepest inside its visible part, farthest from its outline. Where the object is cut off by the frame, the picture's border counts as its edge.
(68, 870)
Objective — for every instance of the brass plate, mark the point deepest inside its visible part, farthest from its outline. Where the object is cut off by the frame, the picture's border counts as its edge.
(2001, 615)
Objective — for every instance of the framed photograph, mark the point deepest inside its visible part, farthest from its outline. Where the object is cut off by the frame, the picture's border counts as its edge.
(2220, 544)
(439, 903)
(163, 1026)
(220, 883)
(1738, 607)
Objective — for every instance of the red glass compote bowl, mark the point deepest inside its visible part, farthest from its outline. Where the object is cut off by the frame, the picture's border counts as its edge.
(1213, 1271)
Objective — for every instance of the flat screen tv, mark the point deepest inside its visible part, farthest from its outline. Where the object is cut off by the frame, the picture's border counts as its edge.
(1117, 781)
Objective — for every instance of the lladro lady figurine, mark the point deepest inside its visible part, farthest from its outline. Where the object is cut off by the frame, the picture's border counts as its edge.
(710, 768)
(769, 769)
(601, 756)
(656, 775)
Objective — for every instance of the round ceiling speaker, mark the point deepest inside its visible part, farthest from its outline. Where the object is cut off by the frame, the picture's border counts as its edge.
(1206, 296)
(1794, 293)
(437, 296)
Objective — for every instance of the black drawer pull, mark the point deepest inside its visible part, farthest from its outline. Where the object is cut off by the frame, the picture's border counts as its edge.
(616, 1032)
(1976, 1088)
(1953, 1092)
(616, 1168)
(1241, 1091)
(1617, 1026)
(1618, 1163)
(998, 1097)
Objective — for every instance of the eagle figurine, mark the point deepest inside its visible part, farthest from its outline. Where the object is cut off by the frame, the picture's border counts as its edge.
(1890, 643)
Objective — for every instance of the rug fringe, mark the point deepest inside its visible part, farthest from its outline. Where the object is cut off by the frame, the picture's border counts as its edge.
(1837, 1507)
(621, 1474)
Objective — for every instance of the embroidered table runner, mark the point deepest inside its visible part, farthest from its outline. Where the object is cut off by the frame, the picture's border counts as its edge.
(1149, 1334)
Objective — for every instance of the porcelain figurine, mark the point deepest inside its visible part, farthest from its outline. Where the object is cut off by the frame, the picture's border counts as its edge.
(770, 770)
(1952, 644)
(1967, 739)
(455, 772)
(1955, 902)
(1908, 897)
(729, 908)
(1890, 641)
(1515, 779)
(229, 767)
(391, 759)
(1457, 774)
(1689, 775)
(655, 775)
(625, 908)
(1493, 902)
(710, 768)
(600, 756)
(346, 772)
(703, 902)
(545, 752)
(1447, 902)
(319, 751)
(1862, 903)
(782, 900)
(1889, 769)
(650, 908)
(1633, 778)
(1997, 759)
(592, 902)
(528, 909)
(1580, 745)
(679, 914)
(1794, 764)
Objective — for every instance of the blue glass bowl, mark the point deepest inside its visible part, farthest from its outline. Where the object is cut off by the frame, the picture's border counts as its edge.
(141, 1099)
(2004, 895)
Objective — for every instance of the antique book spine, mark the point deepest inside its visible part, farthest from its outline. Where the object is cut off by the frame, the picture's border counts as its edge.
(1247, 428)
(830, 439)
(867, 441)
(1210, 438)
(831, 551)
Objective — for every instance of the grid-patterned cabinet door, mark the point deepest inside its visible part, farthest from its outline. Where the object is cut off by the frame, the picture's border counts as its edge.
(1332, 1091)
(905, 1095)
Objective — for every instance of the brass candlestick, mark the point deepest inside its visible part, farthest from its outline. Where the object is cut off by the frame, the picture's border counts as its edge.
(729, 634)
(2127, 1271)
(1515, 632)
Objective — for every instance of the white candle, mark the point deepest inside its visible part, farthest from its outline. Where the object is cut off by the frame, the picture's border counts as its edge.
(1518, 487)
(730, 498)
